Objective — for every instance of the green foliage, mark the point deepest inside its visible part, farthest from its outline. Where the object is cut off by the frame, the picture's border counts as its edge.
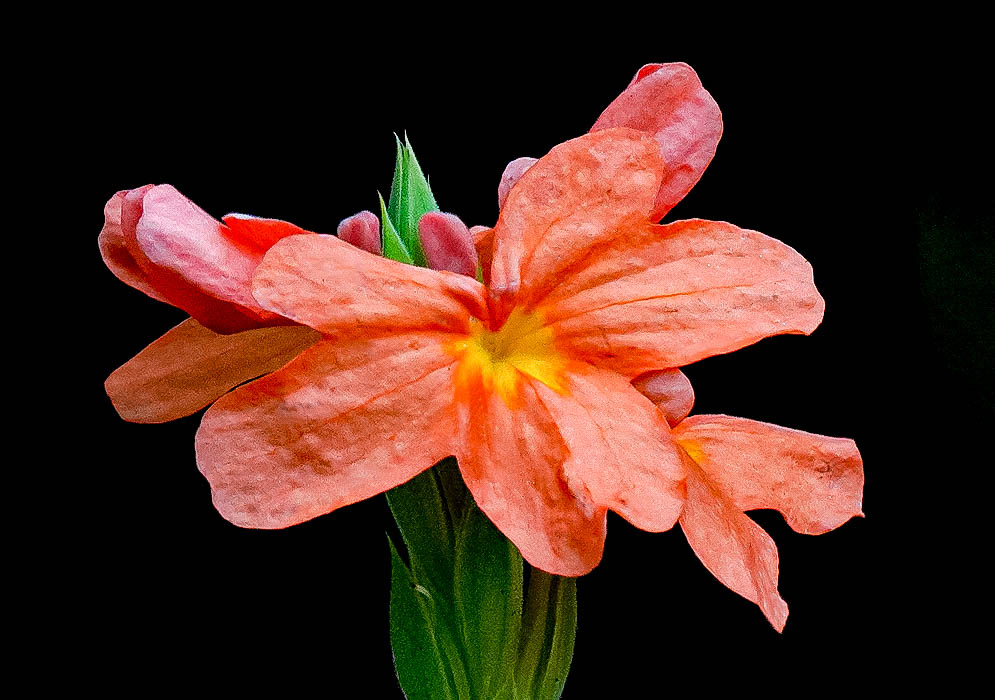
(462, 626)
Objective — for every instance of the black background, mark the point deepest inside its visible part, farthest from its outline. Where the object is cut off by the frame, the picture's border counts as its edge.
(814, 153)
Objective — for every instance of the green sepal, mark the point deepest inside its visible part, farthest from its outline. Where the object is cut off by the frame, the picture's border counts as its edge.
(390, 241)
(410, 198)
(422, 668)
(488, 588)
(549, 630)
(422, 515)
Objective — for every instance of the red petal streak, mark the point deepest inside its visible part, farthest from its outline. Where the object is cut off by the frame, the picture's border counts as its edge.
(670, 390)
(734, 548)
(816, 482)
(339, 290)
(342, 422)
(667, 296)
(256, 233)
(191, 366)
(668, 102)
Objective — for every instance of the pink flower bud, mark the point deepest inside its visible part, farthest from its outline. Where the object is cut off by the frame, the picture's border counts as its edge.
(362, 230)
(447, 243)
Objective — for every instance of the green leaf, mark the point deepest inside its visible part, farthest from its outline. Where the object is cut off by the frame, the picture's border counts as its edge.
(549, 629)
(422, 669)
(488, 603)
(426, 525)
(390, 240)
(410, 198)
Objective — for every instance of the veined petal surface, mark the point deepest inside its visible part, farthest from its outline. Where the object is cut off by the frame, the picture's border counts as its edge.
(667, 296)
(816, 482)
(345, 420)
(668, 101)
(338, 289)
(190, 366)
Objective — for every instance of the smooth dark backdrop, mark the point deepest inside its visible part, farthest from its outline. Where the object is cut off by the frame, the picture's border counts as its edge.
(302, 131)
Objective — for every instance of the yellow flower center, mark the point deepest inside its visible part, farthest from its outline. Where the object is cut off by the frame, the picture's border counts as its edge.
(523, 345)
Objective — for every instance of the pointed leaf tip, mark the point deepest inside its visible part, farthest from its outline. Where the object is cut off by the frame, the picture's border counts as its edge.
(391, 244)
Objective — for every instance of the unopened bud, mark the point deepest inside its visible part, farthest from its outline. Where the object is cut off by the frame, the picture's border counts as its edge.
(362, 230)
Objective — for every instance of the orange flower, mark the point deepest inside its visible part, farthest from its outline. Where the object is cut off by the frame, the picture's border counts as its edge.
(525, 380)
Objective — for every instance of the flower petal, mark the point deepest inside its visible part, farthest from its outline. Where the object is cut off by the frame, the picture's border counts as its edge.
(512, 174)
(483, 243)
(361, 230)
(734, 548)
(114, 250)
(256, 233)
(344, 421)
(170, 285)
(512, 460)
(667, 296)
(668, 101)
(179, 237)
(339, 289)
(190, 366)
(621, 454)
(816, 482)
(447, 243)
(670, 390)
(583, 194)
(547, 466)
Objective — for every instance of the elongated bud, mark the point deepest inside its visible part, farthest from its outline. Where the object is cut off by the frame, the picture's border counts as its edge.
(447, 243)
(362, 230)
(513, 173)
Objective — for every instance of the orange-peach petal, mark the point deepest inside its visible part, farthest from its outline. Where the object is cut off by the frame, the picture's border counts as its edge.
(668, 101)
(815, 481)
(512, 460)
(583, 194)
(190, 366)
(667, 296)
(621, 455)
(512, 174)
(342, 422)
(670, 390)
(340, 290)
(731, 546)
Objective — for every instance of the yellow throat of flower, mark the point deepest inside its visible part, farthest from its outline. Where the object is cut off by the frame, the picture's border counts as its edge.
(522, 346)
